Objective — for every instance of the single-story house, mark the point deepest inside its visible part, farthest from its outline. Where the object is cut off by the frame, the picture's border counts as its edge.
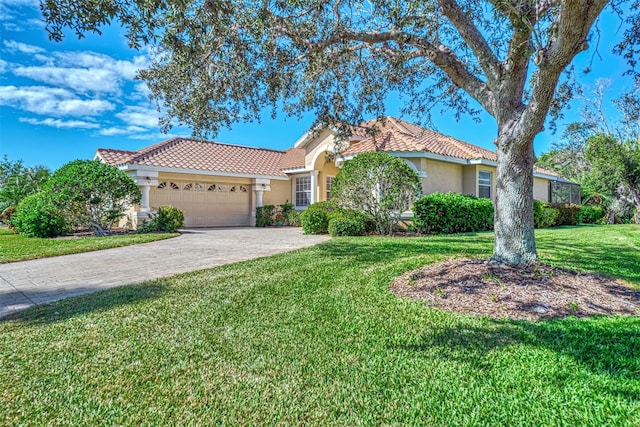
(219, 184)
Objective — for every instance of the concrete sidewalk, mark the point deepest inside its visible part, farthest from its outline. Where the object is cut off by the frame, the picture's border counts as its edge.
(26, 283)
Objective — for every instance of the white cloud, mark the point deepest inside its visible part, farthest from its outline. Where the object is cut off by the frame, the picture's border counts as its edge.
(139, 116)
(3, 66)
(14, 46)
(141, 90)
(58, 123)
(155, 136)
(77, 79)
(83, 72)
(123, 68)
(51, 101)
(121, 131)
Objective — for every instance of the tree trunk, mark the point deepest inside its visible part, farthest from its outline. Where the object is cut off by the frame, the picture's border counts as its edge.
(514, 242)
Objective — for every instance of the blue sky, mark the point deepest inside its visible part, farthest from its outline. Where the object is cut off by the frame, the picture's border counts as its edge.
(62, 101)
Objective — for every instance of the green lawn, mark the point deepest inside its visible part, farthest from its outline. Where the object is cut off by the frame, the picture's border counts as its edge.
(14, 247)
(314, 337)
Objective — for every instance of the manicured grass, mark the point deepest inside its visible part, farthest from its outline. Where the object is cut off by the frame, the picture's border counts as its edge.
(314, 337)
(14, 247)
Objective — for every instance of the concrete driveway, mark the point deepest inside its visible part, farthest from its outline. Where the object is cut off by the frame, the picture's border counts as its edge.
(26, 283)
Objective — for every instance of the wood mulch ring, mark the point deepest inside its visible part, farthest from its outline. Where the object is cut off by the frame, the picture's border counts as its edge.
(474, 286)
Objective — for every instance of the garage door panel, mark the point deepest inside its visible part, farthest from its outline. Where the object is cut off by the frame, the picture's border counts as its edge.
(208, 206)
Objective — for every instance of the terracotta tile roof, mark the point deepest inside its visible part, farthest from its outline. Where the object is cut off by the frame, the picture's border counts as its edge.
(183, 153)
(397, 135)
(293, 158)
(115, 157)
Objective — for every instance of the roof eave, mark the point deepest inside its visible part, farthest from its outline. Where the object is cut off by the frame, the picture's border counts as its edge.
(130, 166)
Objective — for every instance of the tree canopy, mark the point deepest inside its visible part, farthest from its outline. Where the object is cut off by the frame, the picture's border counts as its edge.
(18, 181)
(92, 194)
(601, 154)
(378, 184)
(217, 62)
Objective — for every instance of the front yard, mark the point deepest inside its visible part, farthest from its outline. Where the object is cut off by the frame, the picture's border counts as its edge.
(315, 337)
(15, 247)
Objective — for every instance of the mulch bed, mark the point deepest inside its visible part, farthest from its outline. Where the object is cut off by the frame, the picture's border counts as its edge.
(543, 292)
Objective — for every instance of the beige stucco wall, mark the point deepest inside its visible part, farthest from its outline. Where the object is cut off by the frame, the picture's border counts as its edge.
(279, 194)
(325, 168)
(541, 189)
(315, 149)
(442, 177)
(470, 180)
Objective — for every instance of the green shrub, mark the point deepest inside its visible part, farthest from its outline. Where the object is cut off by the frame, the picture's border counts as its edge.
(568, 214)
(92, 194)
(37, 216)
(285, 210)
(379, 184)
(452, 213)
(340, 225)
(544, 216)
(293, 219)
(265, 215)
(168, 219)
(315, 219)
(591, 214)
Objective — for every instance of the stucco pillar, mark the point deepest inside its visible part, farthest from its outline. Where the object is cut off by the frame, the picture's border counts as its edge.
(259, 193)
(144, 200)
(314, 186)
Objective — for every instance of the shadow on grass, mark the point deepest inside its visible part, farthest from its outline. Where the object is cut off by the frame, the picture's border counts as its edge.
(604, 345)
(78, 305)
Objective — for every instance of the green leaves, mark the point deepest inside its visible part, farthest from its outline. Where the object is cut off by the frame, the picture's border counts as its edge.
(378, 184)
(92, 194)
(17, 182)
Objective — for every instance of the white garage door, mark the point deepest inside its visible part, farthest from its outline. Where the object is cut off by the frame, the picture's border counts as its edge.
(205, 204)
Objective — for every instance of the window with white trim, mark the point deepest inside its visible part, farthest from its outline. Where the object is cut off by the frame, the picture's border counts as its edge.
(484, 184)
(303, 191)
(329, 184)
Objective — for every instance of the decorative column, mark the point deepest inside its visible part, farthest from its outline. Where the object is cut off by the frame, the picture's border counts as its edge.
(260, 185)
(144, 201)
(314, 186)
(144, 179)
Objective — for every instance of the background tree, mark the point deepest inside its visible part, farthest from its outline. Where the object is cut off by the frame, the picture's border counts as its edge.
(615, 168)
(602, 154)
(18, 181)
(217, 62)
(92, 194)
(378, 184)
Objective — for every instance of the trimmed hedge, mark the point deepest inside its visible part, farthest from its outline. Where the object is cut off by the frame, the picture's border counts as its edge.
(315, 219)
(327, 217)
(452, 213)
(544, 216)
(568, 214)
(591, 214)
(345, 226)
(37, 216)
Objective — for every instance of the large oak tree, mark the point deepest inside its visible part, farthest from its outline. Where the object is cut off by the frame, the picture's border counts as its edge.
(216, 62)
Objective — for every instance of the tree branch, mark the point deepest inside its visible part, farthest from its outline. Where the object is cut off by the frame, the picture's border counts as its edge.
(473, 37)
(441, 56)
(574, 22)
